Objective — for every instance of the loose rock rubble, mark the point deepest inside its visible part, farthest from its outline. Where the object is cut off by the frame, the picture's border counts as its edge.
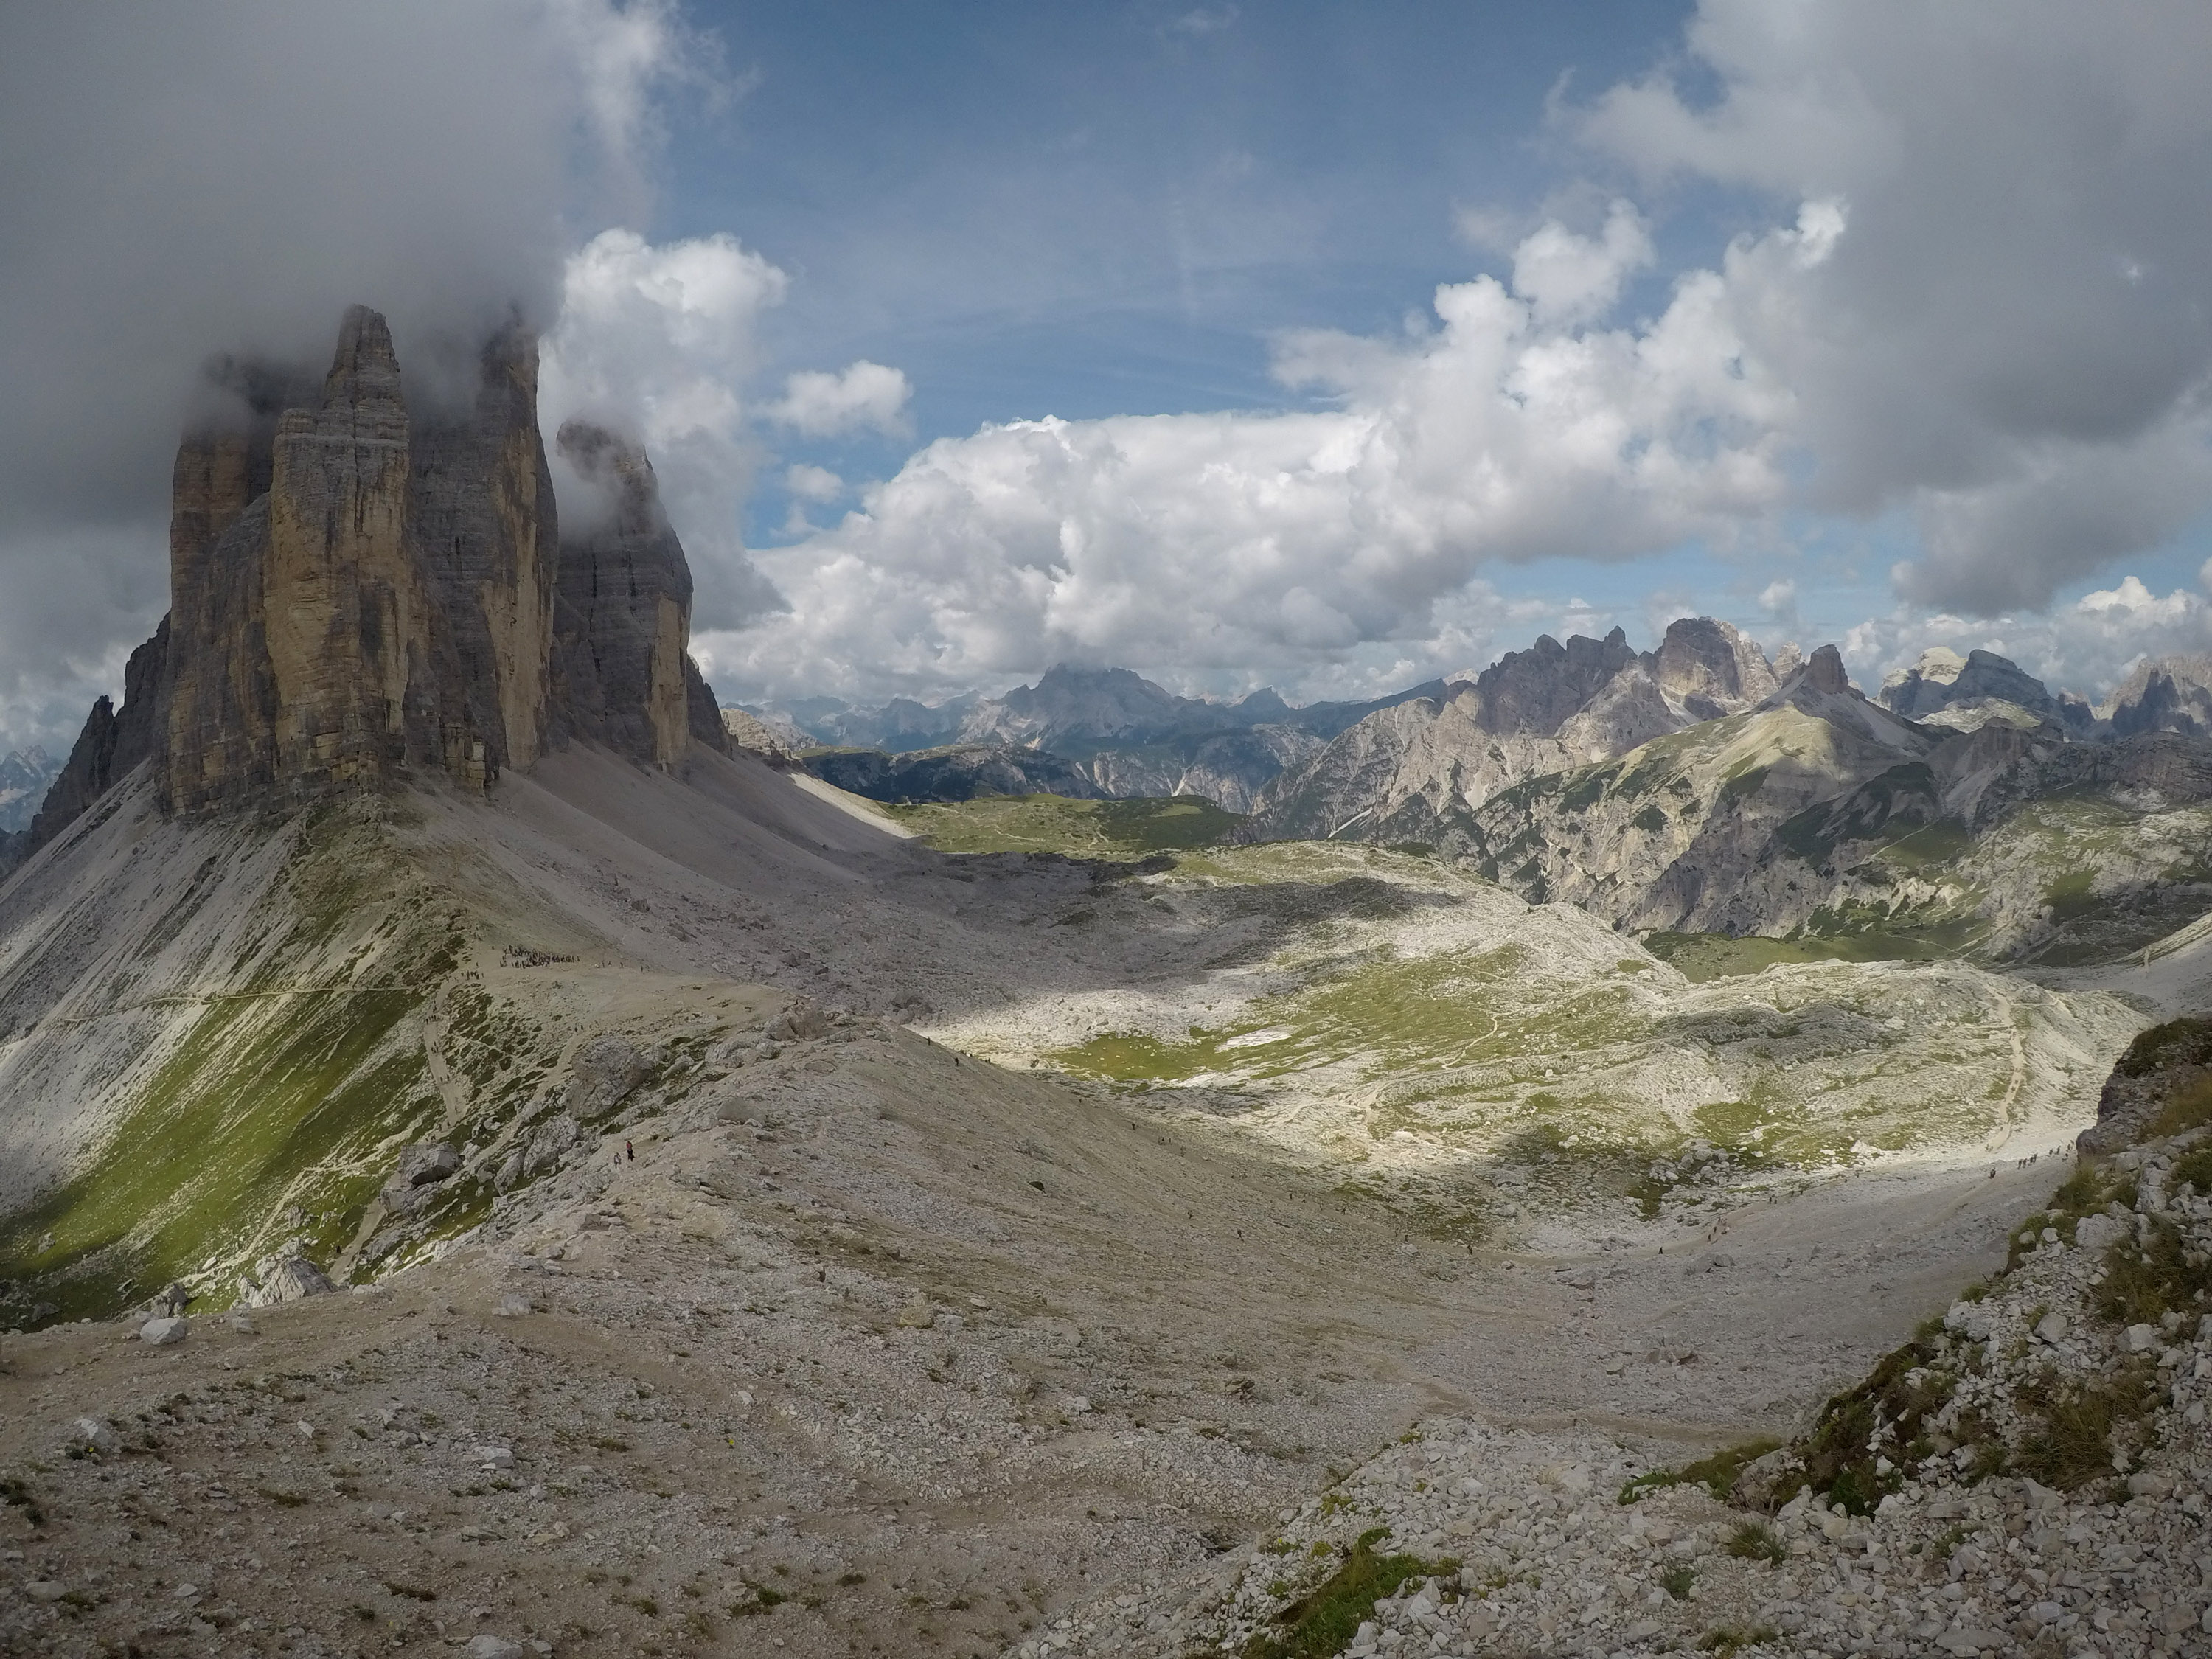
(1909, 1520)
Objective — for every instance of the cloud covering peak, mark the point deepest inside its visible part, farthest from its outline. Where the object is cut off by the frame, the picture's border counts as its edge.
(185, 181)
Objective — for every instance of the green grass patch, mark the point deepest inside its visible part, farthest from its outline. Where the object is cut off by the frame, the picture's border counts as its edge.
(2187, 1108)
(2146, 1279)
(2164, 1048)
(1728, 1639)
(1323, 1622)
(279, 1095)
(2071, 1442)
(1716, 1474)
(1755, 1540)
(1079, 829)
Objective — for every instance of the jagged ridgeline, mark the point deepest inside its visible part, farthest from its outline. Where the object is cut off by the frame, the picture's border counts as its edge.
(231, 983)
(1700, 795)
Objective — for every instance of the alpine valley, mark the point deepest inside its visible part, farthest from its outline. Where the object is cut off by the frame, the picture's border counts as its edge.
(499, 1151)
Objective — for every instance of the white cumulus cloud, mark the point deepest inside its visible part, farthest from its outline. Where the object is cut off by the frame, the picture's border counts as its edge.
(1286, 541)
(657, 341)
(863, 396)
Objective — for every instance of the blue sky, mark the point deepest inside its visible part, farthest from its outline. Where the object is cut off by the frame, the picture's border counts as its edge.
(1102, 209)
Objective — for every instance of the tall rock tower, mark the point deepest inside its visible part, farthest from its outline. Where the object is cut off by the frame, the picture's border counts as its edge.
(622, 624)
(345, 617)
(359, 590)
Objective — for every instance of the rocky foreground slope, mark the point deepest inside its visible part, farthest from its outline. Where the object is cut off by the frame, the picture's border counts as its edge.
(2031, 1476)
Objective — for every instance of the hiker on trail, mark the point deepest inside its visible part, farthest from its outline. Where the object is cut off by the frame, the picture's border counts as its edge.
(629, 1152)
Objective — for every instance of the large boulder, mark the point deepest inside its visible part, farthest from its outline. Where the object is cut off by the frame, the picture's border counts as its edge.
(283, 1278)
(421, 1167)
(541, 1148)
(605, 1072)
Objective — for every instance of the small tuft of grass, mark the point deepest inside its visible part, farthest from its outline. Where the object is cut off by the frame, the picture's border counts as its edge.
(2072, 1444)
(2195, 1168)
(1755, 1540)
(2146, 1278)
(1717, 1474)
(1678, 1582)
(1323, 1622)
(1728, 1639)
(762, 1600)
(16, 1494)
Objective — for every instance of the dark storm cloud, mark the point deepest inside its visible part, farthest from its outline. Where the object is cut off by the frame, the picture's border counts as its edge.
(2013, 340)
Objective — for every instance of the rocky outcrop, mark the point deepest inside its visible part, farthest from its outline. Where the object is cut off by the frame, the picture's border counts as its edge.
(2162, 1064)
(746, 731)
(2167, 694)
(623, 610)
(286, 1277)
(24, 778)
(346, 614)
(351, 597)
(109, 746)
(1709, 669)
(702, 713)
(1965, 693)
(482, 523)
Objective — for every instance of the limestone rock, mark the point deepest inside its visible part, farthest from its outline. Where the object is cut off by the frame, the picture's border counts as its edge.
(285, 1278)
(749, 732)
(604, 1072)
(540, 1150)
(92, 1434)
(355, 590)
(622, 608)
(1415, 770)
(109, 747)
(702, 713)
(162, 1332)
(421, 1167)
(481, 524)
(803, 1021)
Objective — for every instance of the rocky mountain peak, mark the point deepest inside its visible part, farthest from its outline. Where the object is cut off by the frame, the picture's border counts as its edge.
(1539, 690)
(621, 670)
(1942, 679)
(1938, 666)
(2165, 694)
(1824, 672)
(1710, 669)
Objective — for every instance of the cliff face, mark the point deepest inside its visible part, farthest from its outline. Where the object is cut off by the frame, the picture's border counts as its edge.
(359, 590)
(623, 610)
(111, 744)
(481, 518)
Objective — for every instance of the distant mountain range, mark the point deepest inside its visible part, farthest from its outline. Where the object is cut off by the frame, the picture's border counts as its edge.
(1122, 735)
(24, 777)
(1700, 787)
